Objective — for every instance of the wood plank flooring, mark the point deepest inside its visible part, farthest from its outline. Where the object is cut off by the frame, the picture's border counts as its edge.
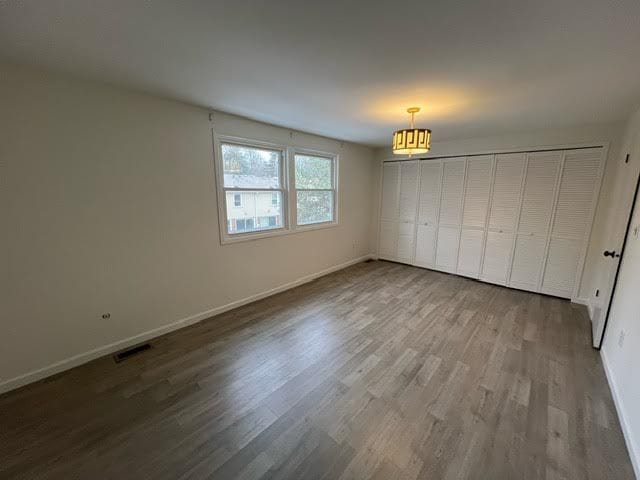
(379, 371)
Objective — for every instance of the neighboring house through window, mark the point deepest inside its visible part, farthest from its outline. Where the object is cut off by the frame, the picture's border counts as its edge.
(256, 181)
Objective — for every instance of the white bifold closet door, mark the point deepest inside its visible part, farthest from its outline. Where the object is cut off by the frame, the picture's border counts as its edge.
(428, 212)
(518, 219)
(477, 189)
(535, 217)
(503, 216)
(450, 218)
(407, 210)
(398, 211)
(389, 211)
(575, 205)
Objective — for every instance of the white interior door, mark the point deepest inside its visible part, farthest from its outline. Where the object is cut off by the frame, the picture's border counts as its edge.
(505, 197)
(575, 205)
(406, 237)
(425, 245)
(388, 242)
(528, 258)
(447, 248)
(450, 216)
(477, 190)
(408, 191)
(470, 254)
(390, 188)
(408, 203)
(503, 215)
(538, 198)
(389, 211)
(497, 257)
(428, 211)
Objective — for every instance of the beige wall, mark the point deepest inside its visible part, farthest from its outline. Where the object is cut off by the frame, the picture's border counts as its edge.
(109, 205)
(593, 277)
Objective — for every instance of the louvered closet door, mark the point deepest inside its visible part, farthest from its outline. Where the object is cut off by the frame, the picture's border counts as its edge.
(503, 215)
(428, 209)
(388, 242)
(390, 189)
(497, 257)
(407, 210)
(389, 211)
(474, 214)
(572, 221)
(450, 217)
(535, 216)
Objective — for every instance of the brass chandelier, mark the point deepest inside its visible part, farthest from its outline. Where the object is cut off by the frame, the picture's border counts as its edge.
(411, 141)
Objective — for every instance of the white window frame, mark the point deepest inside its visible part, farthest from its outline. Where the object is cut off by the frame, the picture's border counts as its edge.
(287, 189)
(334, 179)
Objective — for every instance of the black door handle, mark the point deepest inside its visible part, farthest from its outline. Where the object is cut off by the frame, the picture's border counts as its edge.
(611, 254)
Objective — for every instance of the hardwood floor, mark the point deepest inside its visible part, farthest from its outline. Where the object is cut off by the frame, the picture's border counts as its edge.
(380, 371)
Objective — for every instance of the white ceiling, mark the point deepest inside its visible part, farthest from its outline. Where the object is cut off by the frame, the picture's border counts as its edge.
(348, 69)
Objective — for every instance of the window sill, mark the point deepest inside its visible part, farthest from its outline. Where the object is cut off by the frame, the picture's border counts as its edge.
(227, 239)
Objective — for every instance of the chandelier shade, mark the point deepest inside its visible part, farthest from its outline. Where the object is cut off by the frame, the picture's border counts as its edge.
(411, 141)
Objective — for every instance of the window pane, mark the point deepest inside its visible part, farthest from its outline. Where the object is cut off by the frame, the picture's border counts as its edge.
(313, 172)
(250, 167)
(255, 213)
(314, 206)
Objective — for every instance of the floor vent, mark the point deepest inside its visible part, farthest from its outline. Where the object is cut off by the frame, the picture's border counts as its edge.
(369, 260)
(129, 352)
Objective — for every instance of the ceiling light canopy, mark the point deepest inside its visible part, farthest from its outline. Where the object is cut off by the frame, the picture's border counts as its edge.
(411, 141)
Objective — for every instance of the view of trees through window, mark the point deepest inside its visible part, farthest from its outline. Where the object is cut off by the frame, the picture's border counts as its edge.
(250, 167)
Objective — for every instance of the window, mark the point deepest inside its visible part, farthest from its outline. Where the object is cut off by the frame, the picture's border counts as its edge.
(266, 189)
(252, 178)
(315, 189)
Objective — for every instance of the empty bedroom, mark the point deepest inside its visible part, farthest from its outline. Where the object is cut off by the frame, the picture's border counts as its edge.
(320, 240)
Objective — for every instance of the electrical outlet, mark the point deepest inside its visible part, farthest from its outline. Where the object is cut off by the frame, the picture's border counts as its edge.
(621, 339)
(597, 292)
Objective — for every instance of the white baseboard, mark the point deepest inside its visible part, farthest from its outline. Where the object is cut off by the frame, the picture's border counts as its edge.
(85, 357)
(634, 451)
